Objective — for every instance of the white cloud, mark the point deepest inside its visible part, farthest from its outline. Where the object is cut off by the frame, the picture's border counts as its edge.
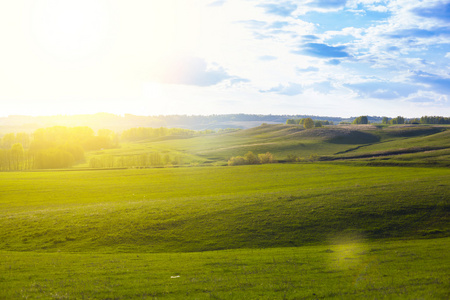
(428, 98)
(289, 89)
(190, 71)
(377, 8)
(213, 53)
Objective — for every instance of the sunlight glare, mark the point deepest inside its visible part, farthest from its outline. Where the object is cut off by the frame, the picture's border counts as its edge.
(173, 27)
(70, 30)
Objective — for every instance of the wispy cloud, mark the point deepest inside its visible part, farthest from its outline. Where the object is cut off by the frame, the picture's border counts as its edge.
(279, 24)
(439, 11)
(310, 37)
(432, 81)
(329, 3)
(383, 90)
(324, 87)
(267, 58)
(420, 33)
(192, 71)
(375, 53)
(290, 89)
(283, 9)
(334, 62)
(308, 69)
(217, 3)
(322, 50)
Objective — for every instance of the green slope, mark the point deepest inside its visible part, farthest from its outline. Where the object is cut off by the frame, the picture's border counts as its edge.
(197, 209)
(361, 142)
(413, 269)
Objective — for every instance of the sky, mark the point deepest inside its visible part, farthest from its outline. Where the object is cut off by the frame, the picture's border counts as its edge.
(338, 58)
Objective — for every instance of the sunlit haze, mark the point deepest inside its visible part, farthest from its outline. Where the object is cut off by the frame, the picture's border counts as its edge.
(324, 57)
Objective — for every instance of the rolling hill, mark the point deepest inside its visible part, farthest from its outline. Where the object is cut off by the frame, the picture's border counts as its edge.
(408, 145)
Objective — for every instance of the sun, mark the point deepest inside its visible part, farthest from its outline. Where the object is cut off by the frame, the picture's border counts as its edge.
(70, 30)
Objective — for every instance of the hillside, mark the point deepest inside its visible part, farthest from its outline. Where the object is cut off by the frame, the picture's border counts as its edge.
(400, 145)
(119, 123)
(212, 208)
(328, 221)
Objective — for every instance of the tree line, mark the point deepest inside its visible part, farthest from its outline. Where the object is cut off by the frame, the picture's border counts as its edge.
(252, 159)
(434, 120)
(403, 120)
(309, 123)
(52, 147)
(140, 133)
(62, 147)
(144, 160)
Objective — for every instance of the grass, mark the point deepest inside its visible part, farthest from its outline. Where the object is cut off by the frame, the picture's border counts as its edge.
(212, 208)
(357, 269)
(341, 230)
(334, 142)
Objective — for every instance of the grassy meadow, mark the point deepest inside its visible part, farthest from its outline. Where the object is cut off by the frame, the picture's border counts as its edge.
(406, 269)
(369, 221)
(413, 145)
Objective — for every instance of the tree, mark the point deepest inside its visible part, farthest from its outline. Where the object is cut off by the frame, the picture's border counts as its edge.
(236, 161)
(266, 158)
(177, 159)
(434, 120)
(314, 157)
(24, 139)
(385, 120)
(8, 140)
(291, 157)
(414, 121)
(308, 123)
(361, 120)
(251, 158)
(105, 132)
(166, 159)
(398, 120)
(53, 158)
(155, 159)
(5, 159)
(16, 156)
(75, 149)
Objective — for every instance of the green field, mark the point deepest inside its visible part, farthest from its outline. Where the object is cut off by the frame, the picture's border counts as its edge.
(410, 269)
(345, 228)
(413, 145)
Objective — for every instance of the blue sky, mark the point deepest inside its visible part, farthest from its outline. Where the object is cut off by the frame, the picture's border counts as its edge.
(323, 57)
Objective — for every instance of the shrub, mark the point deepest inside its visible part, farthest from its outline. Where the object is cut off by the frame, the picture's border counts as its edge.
(291, 157)
(308, 123)
(266, 158)
(314, 157)
(251, 158)
(237, 160)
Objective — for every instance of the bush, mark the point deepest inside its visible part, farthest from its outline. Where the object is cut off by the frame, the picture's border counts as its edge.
(314, 157)
(251, 159)
(237, 160)
(308, 123)
(266, 158)
(361, 120)
(292, 157)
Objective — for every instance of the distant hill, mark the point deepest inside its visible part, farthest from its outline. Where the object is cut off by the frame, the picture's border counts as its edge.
(18, 123)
